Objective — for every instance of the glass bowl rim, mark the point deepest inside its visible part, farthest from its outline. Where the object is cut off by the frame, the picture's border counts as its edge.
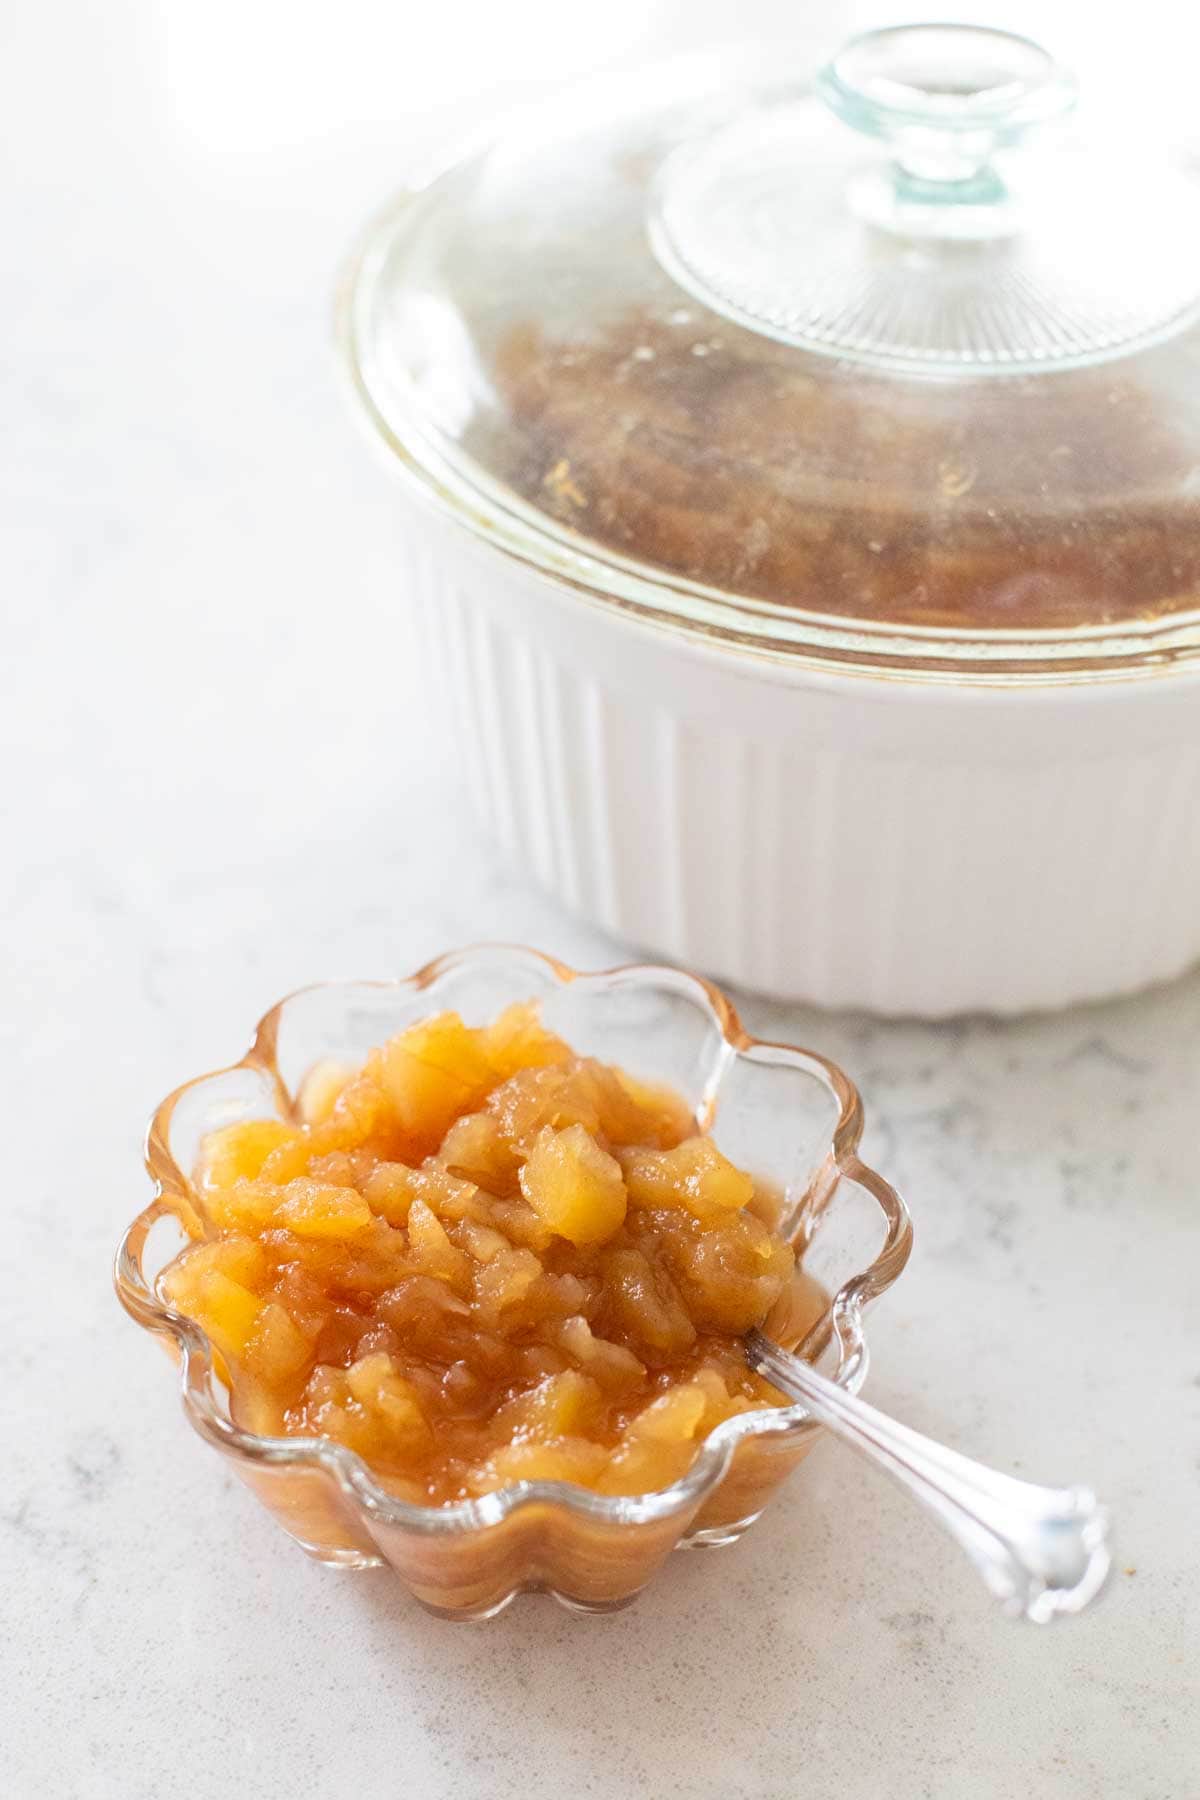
(200, 1385)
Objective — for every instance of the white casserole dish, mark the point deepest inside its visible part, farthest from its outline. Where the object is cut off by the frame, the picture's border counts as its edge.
(913, 811)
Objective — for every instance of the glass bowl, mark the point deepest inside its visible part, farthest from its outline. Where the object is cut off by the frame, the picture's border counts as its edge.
(786, 1114)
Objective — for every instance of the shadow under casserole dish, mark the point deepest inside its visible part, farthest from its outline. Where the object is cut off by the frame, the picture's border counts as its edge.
(530, 1384)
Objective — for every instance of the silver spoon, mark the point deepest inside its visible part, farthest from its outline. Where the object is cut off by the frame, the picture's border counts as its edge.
(1041, 1551)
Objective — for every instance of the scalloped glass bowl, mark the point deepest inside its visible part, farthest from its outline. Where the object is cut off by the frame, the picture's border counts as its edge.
(784, 1113)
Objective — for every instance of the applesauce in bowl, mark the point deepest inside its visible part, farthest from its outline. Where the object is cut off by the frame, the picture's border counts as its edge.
(464, 1271)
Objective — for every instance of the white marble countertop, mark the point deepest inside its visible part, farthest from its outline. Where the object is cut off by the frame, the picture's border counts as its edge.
(219, 785)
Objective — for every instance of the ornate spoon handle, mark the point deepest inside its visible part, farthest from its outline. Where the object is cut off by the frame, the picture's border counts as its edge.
(1041, 1551)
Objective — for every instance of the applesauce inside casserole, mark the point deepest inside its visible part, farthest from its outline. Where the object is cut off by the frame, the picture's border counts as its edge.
(480, 1259)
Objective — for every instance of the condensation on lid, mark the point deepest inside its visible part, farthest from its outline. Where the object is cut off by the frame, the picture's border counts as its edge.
(895, 355)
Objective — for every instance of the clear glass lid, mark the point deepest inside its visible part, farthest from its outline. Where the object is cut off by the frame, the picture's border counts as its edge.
(892, 366)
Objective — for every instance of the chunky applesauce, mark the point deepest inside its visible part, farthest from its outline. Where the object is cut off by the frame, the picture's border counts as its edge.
(481, 1259)
(724, 458)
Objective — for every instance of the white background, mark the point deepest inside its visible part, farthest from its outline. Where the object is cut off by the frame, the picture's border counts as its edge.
(220, 781)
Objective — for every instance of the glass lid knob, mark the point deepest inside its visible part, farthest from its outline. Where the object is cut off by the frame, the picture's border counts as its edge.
(944, 99)
(933, 237)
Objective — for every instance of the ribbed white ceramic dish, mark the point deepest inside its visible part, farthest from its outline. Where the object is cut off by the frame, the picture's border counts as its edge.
(852, 840)
(864, 808)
